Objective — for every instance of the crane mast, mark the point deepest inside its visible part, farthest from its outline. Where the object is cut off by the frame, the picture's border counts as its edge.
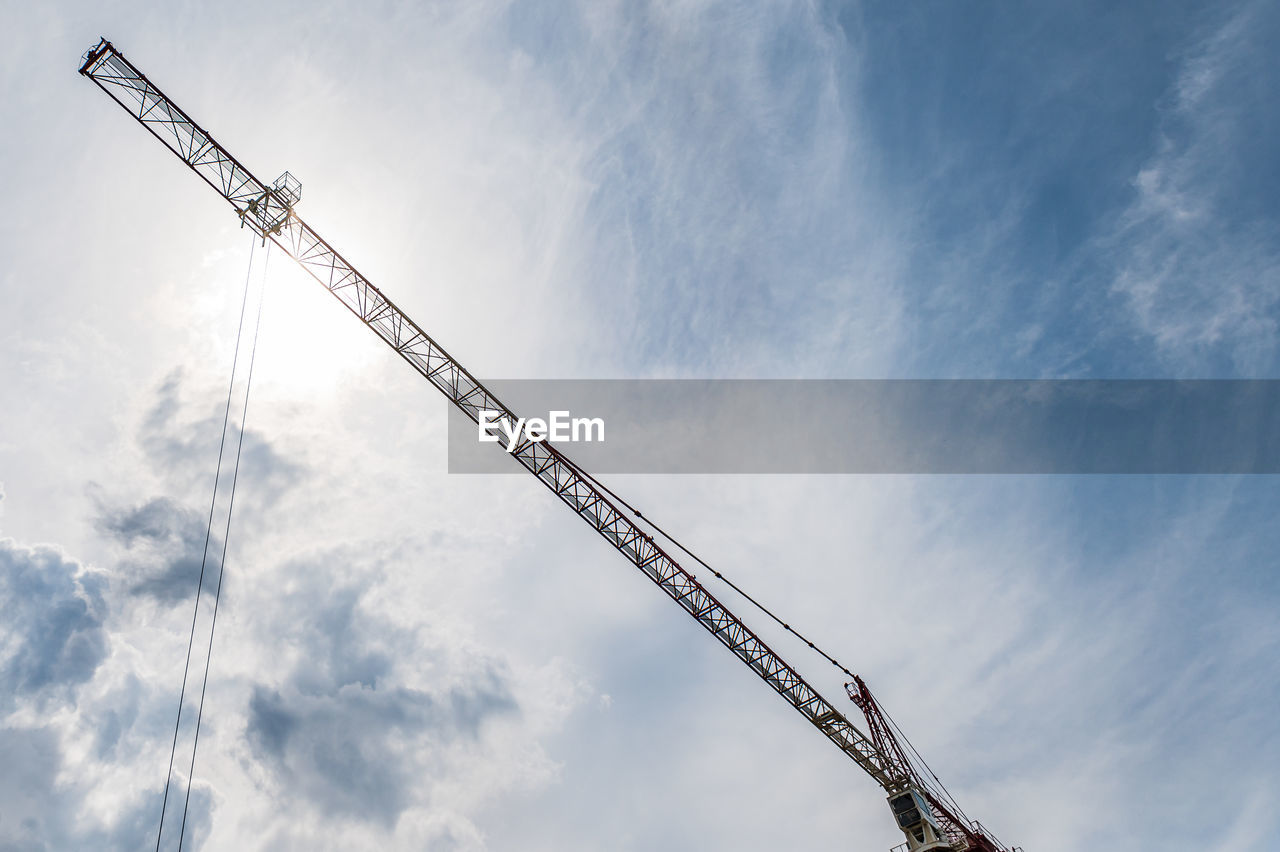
(268, 211)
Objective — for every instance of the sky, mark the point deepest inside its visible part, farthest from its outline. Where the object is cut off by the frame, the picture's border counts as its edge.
(408, 659)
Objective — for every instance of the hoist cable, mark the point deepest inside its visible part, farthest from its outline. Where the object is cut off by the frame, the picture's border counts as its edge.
(941, 790)
(226, 536)
(204, 557)
(721, 577)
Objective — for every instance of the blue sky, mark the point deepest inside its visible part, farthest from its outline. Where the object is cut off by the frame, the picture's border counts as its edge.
(409, 659)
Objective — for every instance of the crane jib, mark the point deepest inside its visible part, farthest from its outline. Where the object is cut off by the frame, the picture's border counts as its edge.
(268, 210)
(129, 87)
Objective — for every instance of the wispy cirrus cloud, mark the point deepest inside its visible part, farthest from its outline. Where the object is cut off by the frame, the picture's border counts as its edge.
(1195, 254)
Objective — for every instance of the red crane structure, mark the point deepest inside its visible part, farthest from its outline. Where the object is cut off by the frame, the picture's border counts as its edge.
(922, 809)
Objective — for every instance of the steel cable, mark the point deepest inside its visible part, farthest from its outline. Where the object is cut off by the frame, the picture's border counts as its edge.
(719, 576)
(204, 557)
(222, 562)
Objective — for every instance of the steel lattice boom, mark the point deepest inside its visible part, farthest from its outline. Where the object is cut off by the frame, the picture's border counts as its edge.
(268, 210)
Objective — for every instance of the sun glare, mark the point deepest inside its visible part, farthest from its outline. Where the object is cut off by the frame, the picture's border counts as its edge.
(309, 344)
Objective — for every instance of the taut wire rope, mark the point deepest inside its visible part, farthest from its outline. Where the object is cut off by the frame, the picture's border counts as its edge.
(222, 561)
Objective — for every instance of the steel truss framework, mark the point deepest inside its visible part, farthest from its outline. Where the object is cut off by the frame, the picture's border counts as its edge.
(269, 213)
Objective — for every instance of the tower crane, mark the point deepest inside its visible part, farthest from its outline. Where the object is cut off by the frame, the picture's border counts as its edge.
(922, 809)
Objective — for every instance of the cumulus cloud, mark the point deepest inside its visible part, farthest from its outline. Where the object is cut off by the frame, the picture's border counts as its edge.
(345, 749)
(55, 643)
(74, 636)
(52, 639)
(44, 811)
(180, 433)
(345, 728)
(349, 714)
(165, 542)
